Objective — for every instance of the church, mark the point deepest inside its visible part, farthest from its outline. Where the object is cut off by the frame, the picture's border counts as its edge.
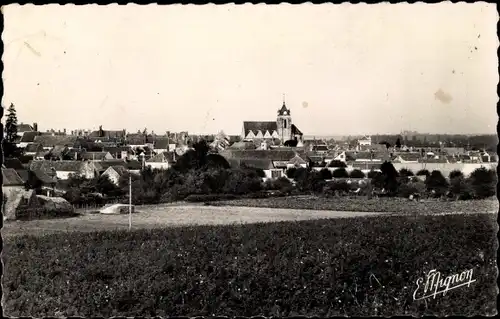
(281, 130)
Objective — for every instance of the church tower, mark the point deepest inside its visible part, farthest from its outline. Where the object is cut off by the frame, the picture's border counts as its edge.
(284, 123)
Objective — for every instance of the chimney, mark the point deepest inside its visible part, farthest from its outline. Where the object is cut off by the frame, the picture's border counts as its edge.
(35, 127)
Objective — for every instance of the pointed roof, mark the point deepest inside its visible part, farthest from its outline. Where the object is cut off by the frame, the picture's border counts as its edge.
(284, 110)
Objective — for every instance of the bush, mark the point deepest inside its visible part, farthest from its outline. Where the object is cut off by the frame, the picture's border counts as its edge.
(460, 188)
(197, 198)
(405, 190)
(423, 172)
(373, 174)
(405, 172)
(340, 173)
(456, 173)
(337, 163)
(436, 183)
(338, 187)
(290, 173)
(389, 178)
(282, 184)
(357, 173)
(325, 173)
(483, 182)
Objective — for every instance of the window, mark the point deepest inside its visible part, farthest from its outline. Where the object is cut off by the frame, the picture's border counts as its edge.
(284, 124)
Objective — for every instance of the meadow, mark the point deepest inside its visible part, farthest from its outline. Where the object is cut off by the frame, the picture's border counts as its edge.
(330, 267)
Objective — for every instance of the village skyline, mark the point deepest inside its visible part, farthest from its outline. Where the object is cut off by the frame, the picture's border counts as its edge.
(215, 68)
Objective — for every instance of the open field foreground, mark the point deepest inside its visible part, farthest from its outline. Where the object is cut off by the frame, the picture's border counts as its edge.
(351, 266)
(154, 216)
(363, 204)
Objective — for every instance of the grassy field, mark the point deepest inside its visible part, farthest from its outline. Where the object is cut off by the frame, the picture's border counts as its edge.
(362, 204)
(354, 267)
(154, 216)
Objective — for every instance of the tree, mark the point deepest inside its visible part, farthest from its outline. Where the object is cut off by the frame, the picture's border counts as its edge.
(456, 174)
(437, 183)
(423, 172)
(290, 173)
(398, 143)
(390, 178)
(483, 182)
(10, 148)
(340, 173)
(325, 173)
(337, 163)
(404, 172)
(357, 173)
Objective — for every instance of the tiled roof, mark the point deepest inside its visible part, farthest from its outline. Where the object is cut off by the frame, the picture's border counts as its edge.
(165, 157)
(295, 130)
(161, 143)
(320, 148)
(58, 150)
(297, 160)
(243, 145)
(24, 128)
(98, 156)
(11, 178)
(272, 155)
(131, 165)
(410, 156)
(253, 163)
(260, 126)
(61, 166)
(23, 173)
(107, 134)
(29, 137)
(33, 148)
(53, 140)
(13, 163)
(136, 139)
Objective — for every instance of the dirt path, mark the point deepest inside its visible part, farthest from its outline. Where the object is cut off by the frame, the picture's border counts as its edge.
(171, 215)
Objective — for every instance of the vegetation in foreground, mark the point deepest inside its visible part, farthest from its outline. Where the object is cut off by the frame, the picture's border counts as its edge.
(354, 267)
(363, 204)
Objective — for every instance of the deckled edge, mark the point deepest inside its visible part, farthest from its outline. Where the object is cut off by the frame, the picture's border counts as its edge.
(1, 163)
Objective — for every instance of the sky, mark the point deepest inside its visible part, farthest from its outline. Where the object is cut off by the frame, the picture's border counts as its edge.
(344, 69)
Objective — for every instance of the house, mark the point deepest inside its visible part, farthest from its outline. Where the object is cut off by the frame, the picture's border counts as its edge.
(365, 141)
(11, 179)
(280, 158)
(33, 149)
(114, 173)
(453, 151)
(296, 162)
(281, 129)
(161, 161)
(63, 169)
(17, 201)
(139, 140)
(27, 138)
(96, 156)
(106, 135)
(407, 158)
(266, 165)
(370, 157)
(58, 153)
(132, 166)
(23, 128)
(162, 144)
(49, 141)
(119, 152)
(320, 149)
(15, 164)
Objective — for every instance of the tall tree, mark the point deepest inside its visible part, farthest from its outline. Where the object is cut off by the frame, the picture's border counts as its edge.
(10, 149)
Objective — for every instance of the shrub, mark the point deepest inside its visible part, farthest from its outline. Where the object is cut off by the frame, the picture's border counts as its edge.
(483, 182)
(373, 174)
(338, 187)
(290, 173)
(405, 190)
(436, 183)
(456, 173)
(460, 188)
(282, 184)
(423, 172)
(390, 178)
(209, 197)
(325, 173)
(337, 163)
(405, 172)
(340, 173)
(357, 173)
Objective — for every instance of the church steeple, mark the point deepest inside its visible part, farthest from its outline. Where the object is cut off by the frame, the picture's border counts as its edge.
(284, 110)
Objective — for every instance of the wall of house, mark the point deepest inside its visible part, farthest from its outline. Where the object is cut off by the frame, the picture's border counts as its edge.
(88, 171)
(269, 173)
(112, 175)
(445, 168)
(164, 165)
(64, 175)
